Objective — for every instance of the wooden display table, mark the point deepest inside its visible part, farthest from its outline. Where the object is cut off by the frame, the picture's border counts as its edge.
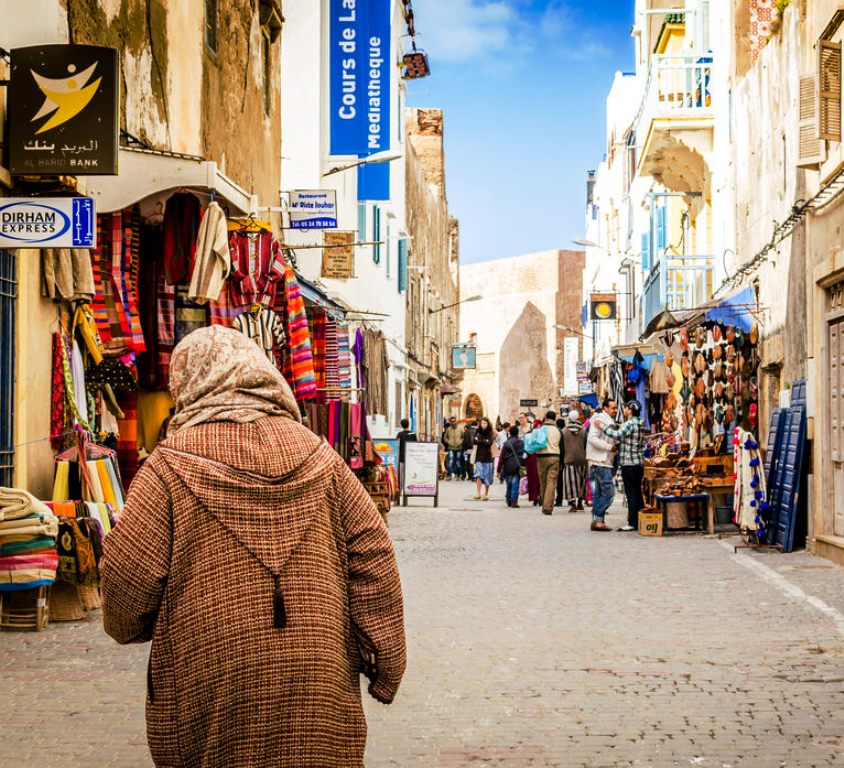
(692, 498)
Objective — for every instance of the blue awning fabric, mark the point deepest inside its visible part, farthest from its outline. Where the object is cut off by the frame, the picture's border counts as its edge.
(735, 310)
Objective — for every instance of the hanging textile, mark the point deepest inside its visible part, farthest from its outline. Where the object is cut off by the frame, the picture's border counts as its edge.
(299, 368)
(318, 322)
(750, 503)
(166, 329)
(127, 441)
(344, 362)
(212, 260)
(182, 215)
(58, 416)
(332, 356)
(190, 316)
(150, 275)
(222, 311)
(67, 274)
(375, 372)
(257, 268)
(360, 359)
(265, 328)
(115, 268)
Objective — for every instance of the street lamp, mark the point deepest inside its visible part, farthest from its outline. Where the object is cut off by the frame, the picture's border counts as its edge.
(582, 241)
(387, 156)
(462, 301)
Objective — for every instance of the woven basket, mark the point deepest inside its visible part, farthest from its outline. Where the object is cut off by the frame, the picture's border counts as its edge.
(677, 514)
(25, 610)
(65, 603)
(90, 597)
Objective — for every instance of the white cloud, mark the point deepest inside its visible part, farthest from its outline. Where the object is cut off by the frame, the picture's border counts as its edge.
(506, 33)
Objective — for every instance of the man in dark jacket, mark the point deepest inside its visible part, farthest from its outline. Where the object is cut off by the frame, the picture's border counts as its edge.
(407, 435)
(509, 465)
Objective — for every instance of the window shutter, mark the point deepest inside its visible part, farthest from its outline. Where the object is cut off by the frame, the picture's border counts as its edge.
(376, 233)
(660, 229)
(646, 252)
(829, 90)
(402, 265)
(362, 222)
(811, 150)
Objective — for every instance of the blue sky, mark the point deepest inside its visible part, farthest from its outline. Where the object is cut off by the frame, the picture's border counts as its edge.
(523, 84)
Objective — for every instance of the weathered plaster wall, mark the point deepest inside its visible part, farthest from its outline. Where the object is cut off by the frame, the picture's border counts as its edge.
(178, 95)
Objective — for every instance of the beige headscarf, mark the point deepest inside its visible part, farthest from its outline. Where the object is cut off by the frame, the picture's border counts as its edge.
(218, 374)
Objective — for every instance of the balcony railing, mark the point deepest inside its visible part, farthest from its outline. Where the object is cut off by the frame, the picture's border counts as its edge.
(677, 86)
(677, 282)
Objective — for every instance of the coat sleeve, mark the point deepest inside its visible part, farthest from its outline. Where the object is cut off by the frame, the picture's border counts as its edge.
(136, 560)
(375, 595)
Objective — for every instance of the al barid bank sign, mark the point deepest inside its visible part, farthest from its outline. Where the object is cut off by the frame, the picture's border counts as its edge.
(359, 87)
(64, 110)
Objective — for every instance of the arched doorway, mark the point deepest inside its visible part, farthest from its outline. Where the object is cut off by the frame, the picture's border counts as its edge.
(474, 407)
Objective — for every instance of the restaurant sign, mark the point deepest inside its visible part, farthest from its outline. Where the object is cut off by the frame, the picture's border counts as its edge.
(47, 222)
(64, 110)
(313, 209)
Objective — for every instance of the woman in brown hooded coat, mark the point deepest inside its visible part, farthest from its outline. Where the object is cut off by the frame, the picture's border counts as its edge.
(260, 569)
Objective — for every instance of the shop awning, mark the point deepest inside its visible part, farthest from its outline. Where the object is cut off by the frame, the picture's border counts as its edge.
(737, 309)
(146, 172)
(627, 352)
(312, 293)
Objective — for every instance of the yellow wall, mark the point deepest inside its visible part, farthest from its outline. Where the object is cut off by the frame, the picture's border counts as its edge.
(36, 318)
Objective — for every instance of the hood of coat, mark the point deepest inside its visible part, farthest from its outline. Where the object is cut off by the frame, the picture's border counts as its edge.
(574, 427)
(266, 499)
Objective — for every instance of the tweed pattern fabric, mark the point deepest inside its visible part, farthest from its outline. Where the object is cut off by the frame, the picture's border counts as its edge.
(222, 520)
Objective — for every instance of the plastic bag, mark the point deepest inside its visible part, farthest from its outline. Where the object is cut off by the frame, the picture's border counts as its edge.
(523, 486)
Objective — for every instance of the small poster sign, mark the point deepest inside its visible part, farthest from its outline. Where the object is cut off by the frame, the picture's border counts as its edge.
(338, 255)
(421, 471)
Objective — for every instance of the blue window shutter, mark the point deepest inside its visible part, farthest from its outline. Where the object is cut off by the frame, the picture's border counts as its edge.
(376, 233)
(362, 222)
(646, 252)
(402, 265)
(661, 241)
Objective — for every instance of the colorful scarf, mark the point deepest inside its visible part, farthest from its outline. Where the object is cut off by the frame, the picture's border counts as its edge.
(300, 361)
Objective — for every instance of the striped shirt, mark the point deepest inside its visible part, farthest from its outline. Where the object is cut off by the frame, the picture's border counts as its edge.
(264, 328)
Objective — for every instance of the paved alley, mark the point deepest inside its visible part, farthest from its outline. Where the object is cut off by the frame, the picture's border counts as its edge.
(532, 642)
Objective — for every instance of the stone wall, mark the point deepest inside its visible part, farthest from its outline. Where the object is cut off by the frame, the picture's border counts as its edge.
(519, 349)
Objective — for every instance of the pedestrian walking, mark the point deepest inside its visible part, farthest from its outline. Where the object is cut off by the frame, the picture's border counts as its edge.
(406, 435)
(510, 465)
(574, 462)
(468, 449)
(600, 454)
(532, 468)
(558, 500)
(261, 570)
(631, 446)
(484, 441)
(453, 442)
(548, 460)
(586, 415)
(525, 425)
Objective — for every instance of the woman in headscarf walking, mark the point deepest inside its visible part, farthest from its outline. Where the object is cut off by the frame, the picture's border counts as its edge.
(260, 569)
(484, 441)
(532, 468)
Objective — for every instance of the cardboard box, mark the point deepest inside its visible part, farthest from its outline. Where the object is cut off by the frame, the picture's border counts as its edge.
(650, 523)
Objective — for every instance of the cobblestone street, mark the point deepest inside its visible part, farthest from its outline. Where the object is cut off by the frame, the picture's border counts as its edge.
(532, 642)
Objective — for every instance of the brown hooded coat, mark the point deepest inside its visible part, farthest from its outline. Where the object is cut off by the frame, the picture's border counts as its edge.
(264, 575)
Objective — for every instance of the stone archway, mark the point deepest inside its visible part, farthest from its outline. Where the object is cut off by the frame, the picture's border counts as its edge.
(473, 407)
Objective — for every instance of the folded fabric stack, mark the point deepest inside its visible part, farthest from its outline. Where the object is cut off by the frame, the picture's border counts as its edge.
(28, 531)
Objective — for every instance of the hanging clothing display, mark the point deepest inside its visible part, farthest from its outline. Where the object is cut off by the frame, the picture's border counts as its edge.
(182, 215)
(318, 321)
(750, 500)
(67, 274)
(265, 328)
(257, 268)
(344, 358)
(375, 369)
(343, 425)
(332, 356)
(212, 260)
(299, 366)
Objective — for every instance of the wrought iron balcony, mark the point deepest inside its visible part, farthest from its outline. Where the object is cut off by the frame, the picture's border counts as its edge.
(677, 282)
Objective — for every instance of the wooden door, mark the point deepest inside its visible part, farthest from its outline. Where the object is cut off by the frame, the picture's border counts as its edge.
(836, 421)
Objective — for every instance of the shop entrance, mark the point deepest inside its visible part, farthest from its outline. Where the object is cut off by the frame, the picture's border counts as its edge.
(836, 403)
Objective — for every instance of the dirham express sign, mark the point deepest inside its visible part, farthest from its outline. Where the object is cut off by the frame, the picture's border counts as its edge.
(63, 110)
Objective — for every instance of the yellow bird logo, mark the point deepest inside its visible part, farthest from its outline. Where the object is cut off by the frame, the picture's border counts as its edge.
(66, 96)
